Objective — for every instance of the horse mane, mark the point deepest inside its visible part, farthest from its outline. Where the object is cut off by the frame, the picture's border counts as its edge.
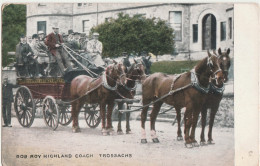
(201, 65)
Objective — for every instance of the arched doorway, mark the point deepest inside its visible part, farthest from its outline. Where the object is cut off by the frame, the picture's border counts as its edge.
(209, 31)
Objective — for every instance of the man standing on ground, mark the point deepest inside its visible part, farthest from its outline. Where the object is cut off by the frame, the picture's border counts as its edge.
(7, 95)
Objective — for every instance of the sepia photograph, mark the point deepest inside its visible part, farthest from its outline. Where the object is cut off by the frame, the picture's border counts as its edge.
(120, 84)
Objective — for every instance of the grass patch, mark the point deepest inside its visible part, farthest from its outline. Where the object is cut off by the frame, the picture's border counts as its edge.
(172, 67)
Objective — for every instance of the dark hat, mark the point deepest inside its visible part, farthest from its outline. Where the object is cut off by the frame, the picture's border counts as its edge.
(22, 36)
(34, 36)
(70, 31)
(64, 35)
(55, 27)
(76, 33)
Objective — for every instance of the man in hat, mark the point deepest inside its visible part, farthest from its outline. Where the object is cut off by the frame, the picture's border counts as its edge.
(37, 51)
(7, 96)
(125, 59)
(71, 35)
(94, 48)
(54, 42)
(25, 57)
(75, 44)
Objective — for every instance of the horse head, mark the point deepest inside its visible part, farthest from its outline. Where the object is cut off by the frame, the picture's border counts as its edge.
(224, 62)
(213, 67)
(136, 71)
(116, 72)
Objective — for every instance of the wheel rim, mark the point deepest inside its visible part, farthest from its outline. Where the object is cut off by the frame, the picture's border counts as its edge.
(92, 116)
(50, 113)
(24, 107)
(65, 115)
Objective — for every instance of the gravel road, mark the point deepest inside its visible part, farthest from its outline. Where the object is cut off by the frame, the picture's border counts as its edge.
(40, 146)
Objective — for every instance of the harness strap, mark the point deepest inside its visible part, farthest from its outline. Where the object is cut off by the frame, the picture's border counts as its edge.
(164, 96)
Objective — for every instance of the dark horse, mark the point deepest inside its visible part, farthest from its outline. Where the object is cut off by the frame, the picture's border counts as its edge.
(190, 93)
(136, 72)
(214, 97)
(85, 89)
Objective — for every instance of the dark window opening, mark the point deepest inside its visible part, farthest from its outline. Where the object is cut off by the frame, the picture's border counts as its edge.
(230, 27)
(79, 4)
(195, 33)
(223, 31)
(41, 26)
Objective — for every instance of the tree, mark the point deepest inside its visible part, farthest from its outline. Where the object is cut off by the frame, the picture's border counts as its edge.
(13, 25)
(135, 35)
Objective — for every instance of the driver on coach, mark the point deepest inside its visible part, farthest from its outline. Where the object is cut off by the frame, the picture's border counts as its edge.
(54, 42)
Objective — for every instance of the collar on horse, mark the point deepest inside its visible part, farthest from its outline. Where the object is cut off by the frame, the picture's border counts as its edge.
(195, 83)
(105, 84)
(214, 89)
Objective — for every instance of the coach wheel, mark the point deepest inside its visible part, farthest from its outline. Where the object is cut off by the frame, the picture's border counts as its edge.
(24, 106)
(50, 112)
(65, 115)
(92, 115)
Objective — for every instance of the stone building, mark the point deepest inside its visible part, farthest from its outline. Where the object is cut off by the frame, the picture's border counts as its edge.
(198, 27)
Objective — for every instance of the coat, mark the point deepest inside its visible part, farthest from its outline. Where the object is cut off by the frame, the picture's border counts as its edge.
(51, 42)
(7, 92)
(21, 53)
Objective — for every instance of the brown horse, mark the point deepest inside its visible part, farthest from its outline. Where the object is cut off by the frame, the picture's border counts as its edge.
(190, 93)
(85, 89)
(136, 72)
(214, 97)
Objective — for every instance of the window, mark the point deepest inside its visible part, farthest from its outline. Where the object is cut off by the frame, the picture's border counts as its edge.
(195, 33)
(79, 4)
(175, 19)
(41, 26)
(230, 27)
(223, 31)
(86, 28)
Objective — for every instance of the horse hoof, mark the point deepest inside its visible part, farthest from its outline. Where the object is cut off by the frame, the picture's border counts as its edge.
(129, 132)
(76, 130)
(195, 144)
(120, 132)
(155, 140)
(188, 145)
(104, 133)
(179, 138)
(211, 142)
(203, 143)
(143, 141)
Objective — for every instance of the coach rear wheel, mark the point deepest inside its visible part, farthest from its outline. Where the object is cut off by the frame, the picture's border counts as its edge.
(65, 115)
(92, 115)
(24, 106)
(50, 112)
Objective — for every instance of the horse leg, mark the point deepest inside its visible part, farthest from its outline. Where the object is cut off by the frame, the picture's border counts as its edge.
(203, 124)
(75, 115)
(103, 117)
(178, 114)
(109, 127)
(211, 123)
(128, 130)
(194, 125)
(143, 119)
(187, 125)
(153, 116)
(119, 128)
